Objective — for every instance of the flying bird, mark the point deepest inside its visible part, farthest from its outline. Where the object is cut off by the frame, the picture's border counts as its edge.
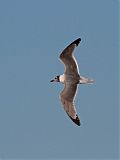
(71, 79)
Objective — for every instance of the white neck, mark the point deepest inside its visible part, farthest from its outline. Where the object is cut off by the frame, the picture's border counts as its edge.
(62, 78)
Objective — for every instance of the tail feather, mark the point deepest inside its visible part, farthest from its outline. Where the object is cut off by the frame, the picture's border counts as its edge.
(84, 80)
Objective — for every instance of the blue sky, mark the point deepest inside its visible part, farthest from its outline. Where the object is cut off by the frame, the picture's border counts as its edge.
(33, 123)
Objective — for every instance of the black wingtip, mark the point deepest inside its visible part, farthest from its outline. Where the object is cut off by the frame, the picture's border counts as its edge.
(77, 41)
(76, 121)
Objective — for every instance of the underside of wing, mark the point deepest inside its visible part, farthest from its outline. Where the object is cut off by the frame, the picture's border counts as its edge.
(67, 100)
(70, 109)
(68, 58)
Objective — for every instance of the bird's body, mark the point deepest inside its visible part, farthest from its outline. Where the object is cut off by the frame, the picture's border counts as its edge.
(71, 79)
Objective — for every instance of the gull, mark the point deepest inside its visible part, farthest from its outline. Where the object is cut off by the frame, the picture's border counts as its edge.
(71, 79)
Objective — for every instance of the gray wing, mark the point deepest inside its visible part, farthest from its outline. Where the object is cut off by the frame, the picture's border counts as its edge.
(68, 58)
(67, 98)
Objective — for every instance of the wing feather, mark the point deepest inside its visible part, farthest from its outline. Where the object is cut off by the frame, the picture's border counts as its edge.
(68, 58)
(67, 98)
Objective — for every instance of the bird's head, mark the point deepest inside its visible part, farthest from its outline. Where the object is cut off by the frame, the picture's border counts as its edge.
(56, 79)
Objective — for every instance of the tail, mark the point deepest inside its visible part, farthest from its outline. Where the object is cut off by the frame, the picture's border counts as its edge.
(84, 80)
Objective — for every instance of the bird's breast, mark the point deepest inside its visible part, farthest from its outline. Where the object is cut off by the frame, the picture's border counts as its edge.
(62, 78)
(72, 78)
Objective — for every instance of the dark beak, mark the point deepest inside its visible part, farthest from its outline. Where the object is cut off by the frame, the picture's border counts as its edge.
(52, 80)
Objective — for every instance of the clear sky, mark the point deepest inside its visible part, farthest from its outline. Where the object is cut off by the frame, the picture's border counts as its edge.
(33, 123)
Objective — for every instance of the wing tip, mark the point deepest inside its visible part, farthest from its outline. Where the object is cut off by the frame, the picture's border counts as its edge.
(76, 121)
(77, 41)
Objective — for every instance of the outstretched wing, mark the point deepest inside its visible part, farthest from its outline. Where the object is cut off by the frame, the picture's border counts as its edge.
(67, 98)
(68, 58)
